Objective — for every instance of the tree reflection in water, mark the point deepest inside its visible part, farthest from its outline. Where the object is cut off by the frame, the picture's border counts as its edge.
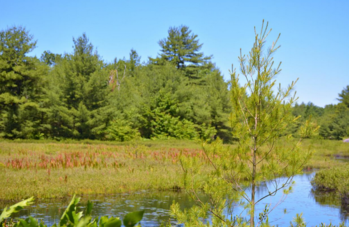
(316, 206)
(332, 199)
(156, 206)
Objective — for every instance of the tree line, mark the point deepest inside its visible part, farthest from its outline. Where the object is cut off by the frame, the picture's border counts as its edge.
(179, 94)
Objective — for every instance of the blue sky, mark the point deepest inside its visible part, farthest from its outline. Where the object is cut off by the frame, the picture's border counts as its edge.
(314, 34)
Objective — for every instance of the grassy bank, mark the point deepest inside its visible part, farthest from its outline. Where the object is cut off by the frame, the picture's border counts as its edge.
(327, 153)
(333, 179)
(49, 169)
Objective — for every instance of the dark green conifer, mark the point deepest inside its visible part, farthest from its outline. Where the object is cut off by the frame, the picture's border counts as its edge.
(182, 48)
(21, 83)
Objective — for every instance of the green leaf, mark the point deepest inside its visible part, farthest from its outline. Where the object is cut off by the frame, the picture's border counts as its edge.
(131, 219)
(85, 221)
(104, 221)
(15, 208)
(23, 223)
(69, 213)
(89, 208)
(113, 222)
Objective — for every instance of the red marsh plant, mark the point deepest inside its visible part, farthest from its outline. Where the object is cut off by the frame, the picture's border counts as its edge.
(96, 159)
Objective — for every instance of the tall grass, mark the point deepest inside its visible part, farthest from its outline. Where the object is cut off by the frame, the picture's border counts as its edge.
(54, 170)
(59, 169)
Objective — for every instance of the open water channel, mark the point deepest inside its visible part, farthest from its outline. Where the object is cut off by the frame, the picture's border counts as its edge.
(316, 207)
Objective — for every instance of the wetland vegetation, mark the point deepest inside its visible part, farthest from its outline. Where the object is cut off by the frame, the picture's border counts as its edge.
(170, 124)
(59, 169)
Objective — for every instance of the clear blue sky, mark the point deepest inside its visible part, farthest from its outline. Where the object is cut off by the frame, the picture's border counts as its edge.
(314, 33)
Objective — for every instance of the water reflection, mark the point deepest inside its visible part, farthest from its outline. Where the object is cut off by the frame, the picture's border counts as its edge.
(316, 206)
(155, 204)
(332, 199)
(341, 157)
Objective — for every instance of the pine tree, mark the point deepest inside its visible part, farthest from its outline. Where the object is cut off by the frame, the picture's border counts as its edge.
(134, 62)
(78, 88)
(344, 96)
(21, 83)
(260, 115)
(182, 48)
(50, 58)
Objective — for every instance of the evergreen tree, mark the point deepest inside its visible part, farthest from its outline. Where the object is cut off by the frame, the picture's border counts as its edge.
(335, 122)
(304, 112)
(78, 89)
(182, 48)
(134, 62)
(21, 83)
(344, 96)
(50, 58)
(259, 118)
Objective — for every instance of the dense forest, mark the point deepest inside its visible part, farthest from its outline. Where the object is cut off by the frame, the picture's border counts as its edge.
(179, 94)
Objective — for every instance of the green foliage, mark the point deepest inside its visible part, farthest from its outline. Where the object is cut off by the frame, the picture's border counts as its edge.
(21, 84)
(335, 123)
(259, 118)
(131, 219)
(121, 130)
(333, 119)
(50, 58)
(163, 120)
(71, 218)
(298, 221)
(7, 212)
(333, 179)
(182, 49)
(77, 91)
(79, 96)
(309, 129)
(344, 96)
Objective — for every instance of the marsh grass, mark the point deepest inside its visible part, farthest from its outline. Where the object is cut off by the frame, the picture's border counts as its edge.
(59, 169)
(325, 153)
(53, 170)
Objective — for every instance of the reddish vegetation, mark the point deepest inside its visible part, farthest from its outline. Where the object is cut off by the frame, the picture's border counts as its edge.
(95, 159)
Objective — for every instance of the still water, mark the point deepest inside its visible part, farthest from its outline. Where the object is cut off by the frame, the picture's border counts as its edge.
(316, 207)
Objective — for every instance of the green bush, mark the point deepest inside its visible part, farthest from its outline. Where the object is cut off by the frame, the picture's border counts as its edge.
(121, 130)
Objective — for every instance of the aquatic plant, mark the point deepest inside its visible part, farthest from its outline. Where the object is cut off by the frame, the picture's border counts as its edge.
(72, 218)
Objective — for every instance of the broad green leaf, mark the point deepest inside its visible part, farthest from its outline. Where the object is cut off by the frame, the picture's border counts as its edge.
(15, 208)
(23, 223)
(105, 221)
(68, 213)
(84, 221)
(131, 219)
(113, 222)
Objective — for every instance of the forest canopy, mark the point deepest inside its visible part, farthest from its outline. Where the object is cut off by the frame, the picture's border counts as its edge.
(179, 94)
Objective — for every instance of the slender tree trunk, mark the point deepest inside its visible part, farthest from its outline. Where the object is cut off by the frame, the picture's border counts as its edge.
(253, 191)
(254, 160)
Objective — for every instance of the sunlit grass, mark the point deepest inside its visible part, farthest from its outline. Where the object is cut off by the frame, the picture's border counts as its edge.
(51, 170)
(59, 169)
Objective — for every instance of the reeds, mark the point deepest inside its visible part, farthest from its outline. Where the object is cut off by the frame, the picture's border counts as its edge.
(58, 170)
(51, 170)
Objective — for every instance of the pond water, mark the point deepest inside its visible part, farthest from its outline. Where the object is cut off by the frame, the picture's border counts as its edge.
(316, 207)
(341, 157)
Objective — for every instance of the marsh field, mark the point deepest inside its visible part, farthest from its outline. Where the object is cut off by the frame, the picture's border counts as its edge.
(121, 177)
(56, 169)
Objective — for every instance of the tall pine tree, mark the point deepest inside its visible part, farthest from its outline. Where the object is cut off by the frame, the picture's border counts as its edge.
(21, 83)
(78, 88)
(182, 48)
